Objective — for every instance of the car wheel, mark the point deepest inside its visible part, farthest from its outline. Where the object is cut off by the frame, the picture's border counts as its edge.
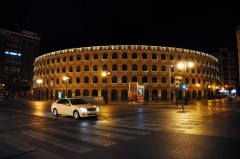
(55, 112)
(76, 114)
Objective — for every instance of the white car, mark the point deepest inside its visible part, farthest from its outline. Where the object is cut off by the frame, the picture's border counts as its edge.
(75, 107)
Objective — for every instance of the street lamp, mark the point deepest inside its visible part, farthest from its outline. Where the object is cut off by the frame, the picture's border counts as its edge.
(104, 74)
(184, 67)
(65, 78)
(170, 83)
(39, 81)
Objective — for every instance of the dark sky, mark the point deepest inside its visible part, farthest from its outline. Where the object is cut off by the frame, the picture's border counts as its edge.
(202, 25)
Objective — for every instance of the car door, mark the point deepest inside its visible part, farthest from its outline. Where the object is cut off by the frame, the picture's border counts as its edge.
(66, 107)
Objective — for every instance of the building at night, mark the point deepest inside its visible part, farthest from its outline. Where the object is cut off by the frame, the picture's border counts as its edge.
(228, 68)
(79, 72)
(18, 51)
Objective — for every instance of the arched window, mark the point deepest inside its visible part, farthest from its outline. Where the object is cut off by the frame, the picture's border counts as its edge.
(57, 81)
(154, 79)
(144, 67)
(199, 81)
(57, 70)
(134, 56)
(105, 56)
(52, 71)
(144, 56)
(95, 79)
(70, 58)
(187, 80)
(114, 67)
(171, 57)
(144, 79)
(163, 57)
(86, 57)
(124, 79)
(70, 69)
(154, 56)
(86, 68)
(198, 71)
(104, 68)
(193, 81)
(124, 55)
(70, 80)
(63, 70)
(114, 56)
(77, 92)
(114, 79)
(154, 68)
(172, 79)
(95, 56)
(78, 80)
(163, 68)
(95, 68)
(58, 60)
(64, 59)
(86, 92)
(134, 67)
(78, 69)
(134, 79)
(52, 61)
(78, 57)
(86, 80)
(163, 79)
(179, 58)
(47, 71)
(124, 67)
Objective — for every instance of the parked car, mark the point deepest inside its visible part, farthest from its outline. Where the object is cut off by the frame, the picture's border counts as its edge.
(2, 96)
(75, 107)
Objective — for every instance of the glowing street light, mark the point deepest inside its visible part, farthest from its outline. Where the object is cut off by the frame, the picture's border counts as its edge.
(39, 81)
(104, 74)
(65, 78)
(183, 66)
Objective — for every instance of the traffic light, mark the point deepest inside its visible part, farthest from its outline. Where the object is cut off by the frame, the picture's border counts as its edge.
(183, 85)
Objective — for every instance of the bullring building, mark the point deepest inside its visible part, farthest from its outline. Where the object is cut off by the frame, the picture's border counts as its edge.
(78, 72)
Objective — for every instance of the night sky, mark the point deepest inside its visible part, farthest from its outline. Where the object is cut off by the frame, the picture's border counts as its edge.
(203, 26)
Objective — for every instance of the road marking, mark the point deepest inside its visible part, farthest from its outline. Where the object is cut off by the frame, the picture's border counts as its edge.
(130, 126)
(52, 140)
(98, 132)
(80, 137)
(106, 127)
(14, 146)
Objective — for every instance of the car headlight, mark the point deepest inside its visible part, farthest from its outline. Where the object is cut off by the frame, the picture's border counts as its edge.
(83, 109)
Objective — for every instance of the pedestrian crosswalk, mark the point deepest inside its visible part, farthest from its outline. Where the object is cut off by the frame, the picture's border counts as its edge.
(79, 138)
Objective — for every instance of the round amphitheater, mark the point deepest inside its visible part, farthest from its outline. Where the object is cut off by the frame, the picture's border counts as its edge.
(80, 73)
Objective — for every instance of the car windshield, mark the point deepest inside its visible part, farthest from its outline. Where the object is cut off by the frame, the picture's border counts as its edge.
(78, 101)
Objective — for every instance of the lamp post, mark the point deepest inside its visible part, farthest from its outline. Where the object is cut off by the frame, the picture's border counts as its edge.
(170, 83)
(104, 74)
(184, 67)
(39, 81)
(65, 78)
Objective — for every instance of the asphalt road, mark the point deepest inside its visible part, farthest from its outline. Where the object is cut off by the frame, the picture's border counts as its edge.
(122, 131)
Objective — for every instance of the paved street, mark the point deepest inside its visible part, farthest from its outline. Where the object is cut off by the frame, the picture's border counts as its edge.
(123, 130)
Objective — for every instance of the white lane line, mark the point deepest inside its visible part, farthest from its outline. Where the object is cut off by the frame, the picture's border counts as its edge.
(134, 125)
(98, 132)
(61, 143)
(80, 137)
(106, 127)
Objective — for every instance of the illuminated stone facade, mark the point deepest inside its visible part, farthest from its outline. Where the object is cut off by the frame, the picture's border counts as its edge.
(148, 65)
